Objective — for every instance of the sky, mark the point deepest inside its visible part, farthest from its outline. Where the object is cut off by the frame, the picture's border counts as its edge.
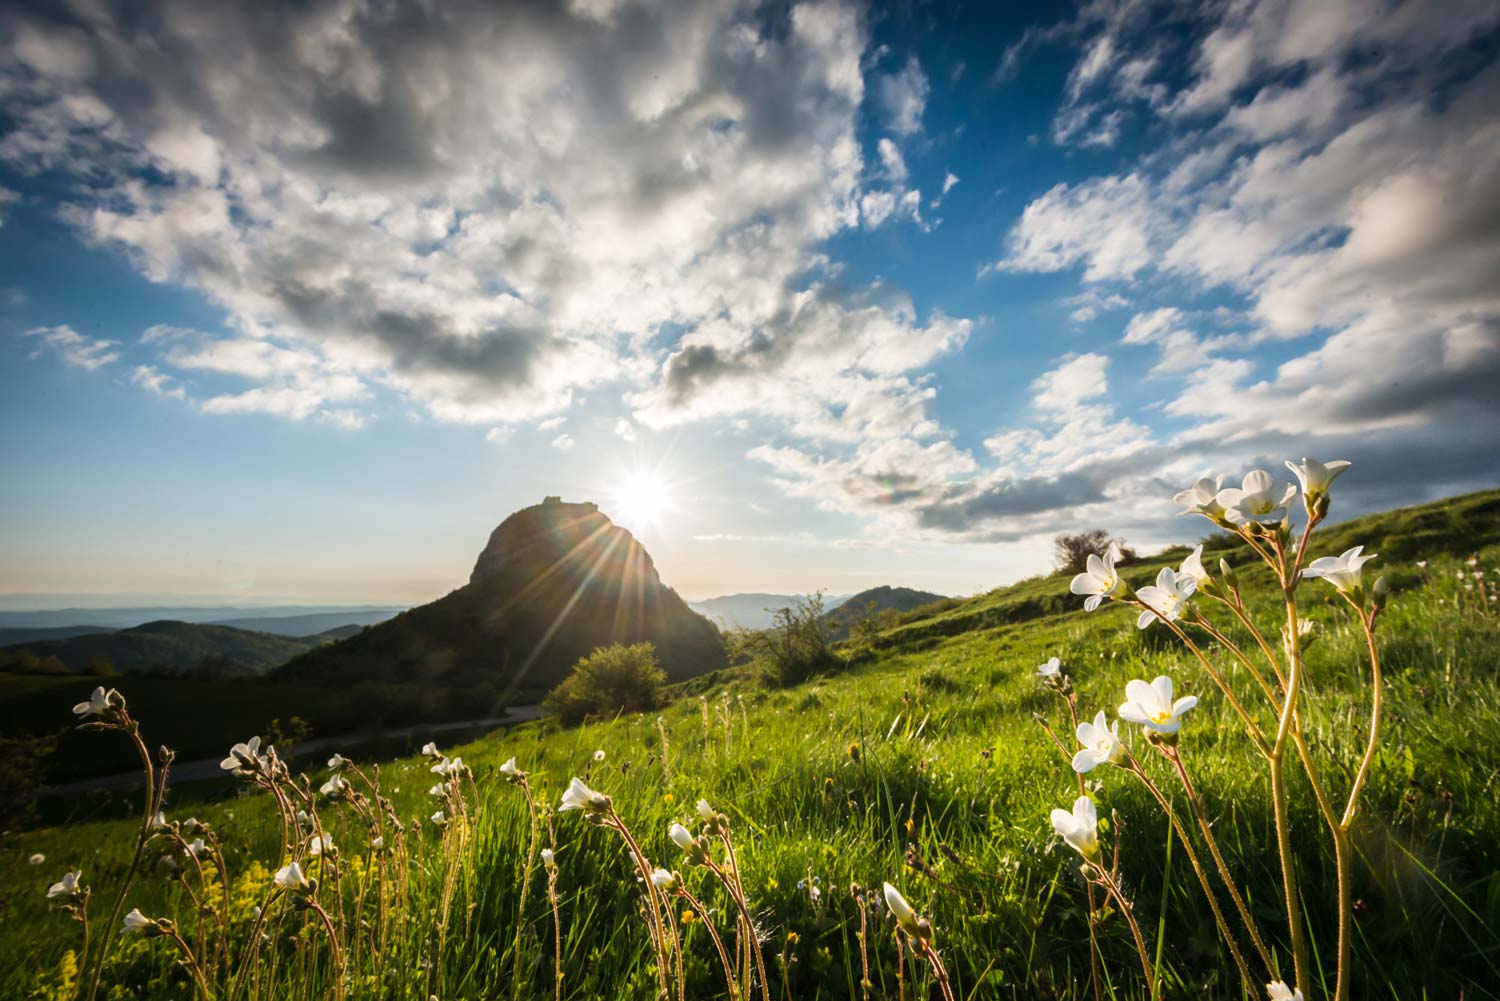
(300, 300)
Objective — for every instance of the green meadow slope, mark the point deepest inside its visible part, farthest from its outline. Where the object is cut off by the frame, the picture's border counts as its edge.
(922, 764)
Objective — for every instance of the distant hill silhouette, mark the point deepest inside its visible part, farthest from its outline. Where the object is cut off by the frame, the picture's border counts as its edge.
(186, 647)
(554, 582)
(312, 623)
(754, 610)
(284, 620)
(856, 608)
(34, 634)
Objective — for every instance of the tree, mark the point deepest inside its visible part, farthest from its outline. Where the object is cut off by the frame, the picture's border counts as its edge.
(797, 645)
(611, 679)
(1072, 550)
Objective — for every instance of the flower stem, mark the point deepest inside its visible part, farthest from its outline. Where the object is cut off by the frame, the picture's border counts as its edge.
(1278, 785)
(515, 991)
(338, 955)
(1175, 756)
(924, 950)
(655, 924)
(191, 962)
(152, 799)
(713, 934)
(737, 894)
(1113, 889)
(1198, 870)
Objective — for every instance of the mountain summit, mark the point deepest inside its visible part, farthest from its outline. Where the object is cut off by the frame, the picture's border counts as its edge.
(555, 581)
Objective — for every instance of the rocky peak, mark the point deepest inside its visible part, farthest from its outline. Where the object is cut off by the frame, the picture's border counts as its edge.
(545, 534)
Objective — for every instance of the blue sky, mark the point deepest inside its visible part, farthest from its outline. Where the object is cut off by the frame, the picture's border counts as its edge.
(300, 302)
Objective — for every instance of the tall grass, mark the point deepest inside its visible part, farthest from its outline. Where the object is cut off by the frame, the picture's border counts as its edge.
(921, 766)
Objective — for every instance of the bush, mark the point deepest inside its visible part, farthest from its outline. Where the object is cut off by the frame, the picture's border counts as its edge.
(611, 679)
(797, 646)
(1072, 550)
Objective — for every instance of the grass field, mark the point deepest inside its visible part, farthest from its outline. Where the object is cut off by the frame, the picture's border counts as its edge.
(921, 764)
(192, 715)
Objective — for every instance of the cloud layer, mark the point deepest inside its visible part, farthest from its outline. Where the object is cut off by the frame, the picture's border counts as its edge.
(1332, 170)
(490, 210)
(484, 208)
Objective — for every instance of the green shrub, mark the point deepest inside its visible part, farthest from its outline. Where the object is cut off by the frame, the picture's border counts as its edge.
(611, 679)
(797, 646)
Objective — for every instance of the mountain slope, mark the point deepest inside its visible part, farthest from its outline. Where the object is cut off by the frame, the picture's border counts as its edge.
(554, 582)
(209, 651)
(1457, 526)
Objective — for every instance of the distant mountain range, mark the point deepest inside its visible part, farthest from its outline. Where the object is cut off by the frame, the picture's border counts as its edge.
(554, 582)
(758, 611)
(873, 602)
(188, 647)
(284, 620)
(754, 610)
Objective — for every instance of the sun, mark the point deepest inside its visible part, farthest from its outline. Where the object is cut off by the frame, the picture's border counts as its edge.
(641, 500)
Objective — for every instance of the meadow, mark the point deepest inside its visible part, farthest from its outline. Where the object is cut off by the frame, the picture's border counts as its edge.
(922, 763)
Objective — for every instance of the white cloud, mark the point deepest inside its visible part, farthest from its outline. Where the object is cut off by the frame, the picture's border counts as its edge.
(157, 382)
(563, 442)
(1082, 461)
(349, 420)
(487, 212)
(890, 156)
(76, 350)
(903, 95)
(832, 365)
(1108, 224)
(1348, 207)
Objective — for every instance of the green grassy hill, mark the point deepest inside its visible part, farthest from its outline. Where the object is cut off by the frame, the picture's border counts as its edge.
(922, 764)
(171, 647)
(874, 601)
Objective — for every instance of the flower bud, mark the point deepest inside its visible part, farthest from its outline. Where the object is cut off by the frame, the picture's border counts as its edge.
(1230, 577)
(1379, 593)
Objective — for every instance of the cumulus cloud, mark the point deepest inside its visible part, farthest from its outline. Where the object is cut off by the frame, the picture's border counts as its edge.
(832, 364)
(1075, 462)
(1109, 225)
(487, 209)
(1339, 205)
(1331, 201)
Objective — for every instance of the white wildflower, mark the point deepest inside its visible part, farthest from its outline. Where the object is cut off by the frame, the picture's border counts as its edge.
(1152, 706)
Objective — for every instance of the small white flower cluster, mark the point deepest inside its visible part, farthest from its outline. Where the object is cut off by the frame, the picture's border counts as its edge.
(105, 705)
(580, 797)
(69, 889)
(248, 760)
(1149, 705)
(1257, 509)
